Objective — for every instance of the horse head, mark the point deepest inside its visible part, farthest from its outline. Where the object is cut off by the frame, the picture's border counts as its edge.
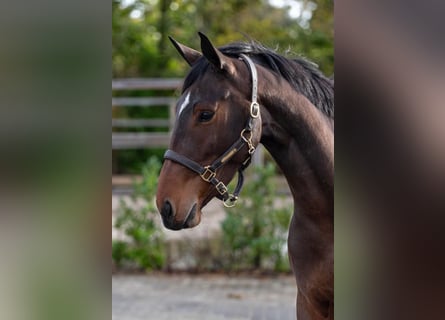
(216, 131)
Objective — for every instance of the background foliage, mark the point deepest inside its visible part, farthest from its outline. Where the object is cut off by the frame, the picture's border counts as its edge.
(255, 230)
(144, 247)
(141, 28)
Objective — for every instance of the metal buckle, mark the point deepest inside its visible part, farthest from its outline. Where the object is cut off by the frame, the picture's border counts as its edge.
(230, 202)
(245, 163)
(248, 141)
(208, 174)
(221, 188)
(254, 109)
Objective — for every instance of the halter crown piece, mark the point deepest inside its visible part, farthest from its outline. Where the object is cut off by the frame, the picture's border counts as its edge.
(208, 172)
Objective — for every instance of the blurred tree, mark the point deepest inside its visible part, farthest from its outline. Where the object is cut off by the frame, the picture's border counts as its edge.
(321, 36)
(141, 27)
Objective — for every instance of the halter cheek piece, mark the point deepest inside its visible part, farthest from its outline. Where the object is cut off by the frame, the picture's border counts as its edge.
(208, 173)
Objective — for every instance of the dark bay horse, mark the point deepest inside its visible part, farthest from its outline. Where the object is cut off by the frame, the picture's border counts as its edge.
(234, 98)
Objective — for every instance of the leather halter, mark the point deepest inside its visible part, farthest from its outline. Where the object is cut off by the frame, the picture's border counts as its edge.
(208, 172)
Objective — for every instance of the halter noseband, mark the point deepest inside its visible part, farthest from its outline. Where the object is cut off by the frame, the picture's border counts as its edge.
(208, 173)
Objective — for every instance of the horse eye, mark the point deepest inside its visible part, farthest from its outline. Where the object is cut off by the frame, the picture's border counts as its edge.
(205, 116)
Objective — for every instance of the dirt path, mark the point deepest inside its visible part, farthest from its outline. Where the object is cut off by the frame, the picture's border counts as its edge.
(203, 297)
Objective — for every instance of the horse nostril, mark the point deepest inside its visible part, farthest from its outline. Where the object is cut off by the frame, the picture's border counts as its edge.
(167, 210)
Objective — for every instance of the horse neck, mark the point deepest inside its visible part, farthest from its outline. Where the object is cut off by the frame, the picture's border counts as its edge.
(300, 138)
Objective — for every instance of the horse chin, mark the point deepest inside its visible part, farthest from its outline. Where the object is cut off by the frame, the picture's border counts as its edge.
(194, 218)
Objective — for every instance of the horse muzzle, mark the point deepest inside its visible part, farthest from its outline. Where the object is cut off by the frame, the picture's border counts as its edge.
(170, 217)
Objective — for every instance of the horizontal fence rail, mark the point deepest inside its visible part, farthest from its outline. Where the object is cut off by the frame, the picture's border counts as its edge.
(146, 84)
(140, 140)
(143, 140)
(140, 123)
(141, 101)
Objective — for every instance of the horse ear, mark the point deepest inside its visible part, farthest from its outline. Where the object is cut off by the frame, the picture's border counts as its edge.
(190, 55)
(215, 57)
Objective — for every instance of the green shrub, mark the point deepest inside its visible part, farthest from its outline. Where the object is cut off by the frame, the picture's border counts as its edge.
(255, 230)
(145, 246)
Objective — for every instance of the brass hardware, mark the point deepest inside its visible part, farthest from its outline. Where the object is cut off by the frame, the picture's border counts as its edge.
(254, 109)
(229, 155)
(221, 188)
(248, 141)
(208, 174)
(230, 202)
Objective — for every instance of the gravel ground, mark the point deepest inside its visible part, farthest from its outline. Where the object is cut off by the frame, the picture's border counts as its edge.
(202, 297)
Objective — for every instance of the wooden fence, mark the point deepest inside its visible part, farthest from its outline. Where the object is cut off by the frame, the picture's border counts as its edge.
(141, 140)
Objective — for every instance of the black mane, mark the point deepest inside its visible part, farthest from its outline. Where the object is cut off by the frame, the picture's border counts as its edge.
(303, 75)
